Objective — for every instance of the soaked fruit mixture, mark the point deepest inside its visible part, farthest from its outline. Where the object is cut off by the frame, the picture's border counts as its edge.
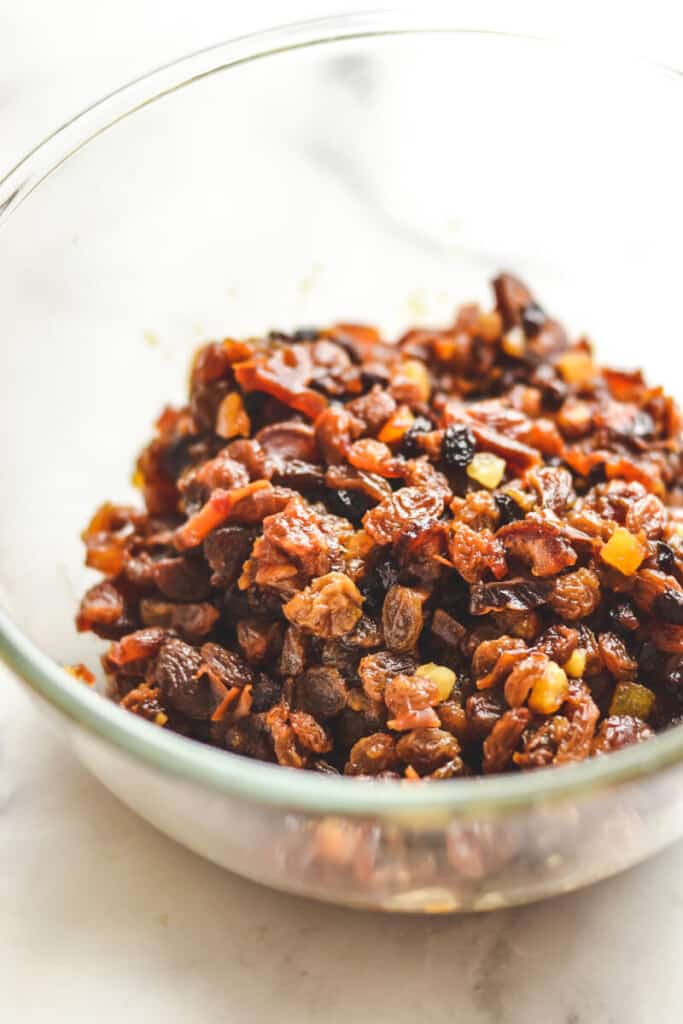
(456, 553)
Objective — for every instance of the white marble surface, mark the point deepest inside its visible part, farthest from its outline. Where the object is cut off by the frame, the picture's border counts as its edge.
(101, 917)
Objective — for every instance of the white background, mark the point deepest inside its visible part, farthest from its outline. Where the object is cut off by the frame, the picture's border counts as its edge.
(103, 919)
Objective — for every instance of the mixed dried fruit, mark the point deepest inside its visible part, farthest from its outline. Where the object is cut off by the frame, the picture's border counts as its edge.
(454, 554)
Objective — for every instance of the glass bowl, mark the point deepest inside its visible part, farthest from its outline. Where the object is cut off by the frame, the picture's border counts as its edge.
(367, 168)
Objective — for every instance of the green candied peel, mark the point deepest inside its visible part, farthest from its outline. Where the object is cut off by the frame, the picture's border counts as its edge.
(632, 699)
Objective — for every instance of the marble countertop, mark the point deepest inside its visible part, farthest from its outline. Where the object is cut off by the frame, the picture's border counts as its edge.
(102, 917)
(100, 913)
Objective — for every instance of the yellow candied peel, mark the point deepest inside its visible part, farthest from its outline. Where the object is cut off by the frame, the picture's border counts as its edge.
(487, 469)
(577, 367)
(550, 690)
(443, 676)
(575, 665)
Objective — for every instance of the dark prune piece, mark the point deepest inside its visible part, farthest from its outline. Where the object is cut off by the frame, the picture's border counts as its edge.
(265, 693)
(260, 639)
(665, 558)
(516, 594)
(176, 457)
(180, 681)
(351, 504)
(508, 508)
(250, 738)
(293, 654)
(297, 474)
(597, 475)
(360, 718)
(533, 319)
(649, 662)
(182, 579)
(225, 549)
(322, 692)
(669, 606)
(194, 620)
(457, 446)
(410, 448)
(512, 298)
(447, 629)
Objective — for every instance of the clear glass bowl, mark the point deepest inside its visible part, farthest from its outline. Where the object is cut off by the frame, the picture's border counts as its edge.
(370, 168)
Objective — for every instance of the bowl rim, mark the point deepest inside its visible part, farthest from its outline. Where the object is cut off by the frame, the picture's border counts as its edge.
(188, 759)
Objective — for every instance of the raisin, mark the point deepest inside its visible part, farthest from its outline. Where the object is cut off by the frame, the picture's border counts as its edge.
(482, 712)
(616, 658)
(576, 595)
(375, 671)
(194, 621)
(428, 749)
(533, 319)
(410, 447)
(402, 618)
(508, 509)
(330, 607)
(457, 446)
(410, 699)
(620, 731)
(322, 692)
(623, 618)
(410, 508)
(266, 692)
(371, 755)
(501, 743)
(181, 682)
(351, 504)
(665, 558)
(669, 606)
(259, 639)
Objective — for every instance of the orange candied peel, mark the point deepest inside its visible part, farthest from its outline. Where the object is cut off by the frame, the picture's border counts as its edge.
(79, 671)
(624, 551)
(232, 419)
